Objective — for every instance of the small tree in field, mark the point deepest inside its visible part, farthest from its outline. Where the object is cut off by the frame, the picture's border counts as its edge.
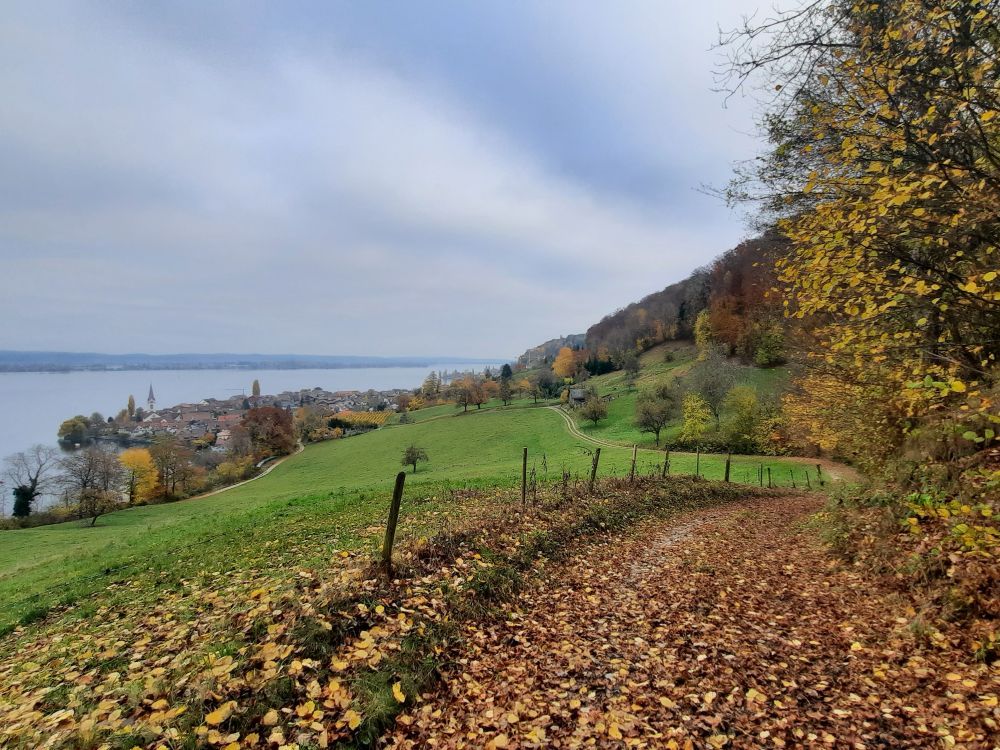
(412, 455)
(654, 410)
(594, 409)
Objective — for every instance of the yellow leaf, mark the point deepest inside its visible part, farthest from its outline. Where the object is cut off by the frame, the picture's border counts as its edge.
(270, 718)
(220, 714)
(353, 718)
(957, 385)
(500, 741)
(857, 646)
(613, 732)
(718, 740)
(397, 692)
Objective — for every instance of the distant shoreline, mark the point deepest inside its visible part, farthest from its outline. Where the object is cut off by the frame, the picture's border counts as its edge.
(66, 362)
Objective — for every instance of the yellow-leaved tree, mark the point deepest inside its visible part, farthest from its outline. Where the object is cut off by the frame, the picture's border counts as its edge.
(565, 363)
(885, 175)
(141, 477)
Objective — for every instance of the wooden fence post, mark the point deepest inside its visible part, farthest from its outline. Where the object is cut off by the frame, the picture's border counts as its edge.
(524, 477)
(666, 463)
(791, 474)
(390, 529)
(631, 471)
(819, 473)
(809, 484)
(770, 485)
(593, 468)
(729, 457)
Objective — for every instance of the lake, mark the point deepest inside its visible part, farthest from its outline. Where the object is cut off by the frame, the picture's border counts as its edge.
(33, 404)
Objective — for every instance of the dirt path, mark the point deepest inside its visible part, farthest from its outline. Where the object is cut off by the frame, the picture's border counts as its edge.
(831, 468)
(728, 628)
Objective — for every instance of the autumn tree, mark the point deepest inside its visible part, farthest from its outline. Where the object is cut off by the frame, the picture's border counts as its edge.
(505, 391)
(412, 455)
(171, 457)
(565, 363)
(594, 409)
(654, 409)
(712, 379)
(140, 475)
(255, 388)
(131, 406)
(75, 430)
(696, 418)
(885, 175)
(271, 430)
(743, 414)
(30, 474)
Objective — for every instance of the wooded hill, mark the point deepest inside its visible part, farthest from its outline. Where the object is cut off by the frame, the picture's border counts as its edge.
(733, 289)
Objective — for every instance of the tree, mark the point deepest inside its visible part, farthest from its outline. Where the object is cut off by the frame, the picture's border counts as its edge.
(255, 388)
(131, 406)
(565, 363)
(140, 475)
(170, 456)
(654, 409)
(310, 424)
(547, 383)
(22, 502)
(505, 392)
(506, 373)
(529, 387)
(697, 417)
(93, 478)
(403, 401)
(30, 473)
(704, 338)
(479, 393)
(271, 430)
(431, 388)
(75, 430)
(712, 379)
(884, 173)
(594, 408)
(630, 364)
(743, 415)
(412, 455)
(460, 391)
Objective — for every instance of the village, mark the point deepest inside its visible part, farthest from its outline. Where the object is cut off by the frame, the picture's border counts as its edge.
(217, 417)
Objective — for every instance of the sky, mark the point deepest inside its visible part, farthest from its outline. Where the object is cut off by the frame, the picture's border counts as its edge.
(376, 178)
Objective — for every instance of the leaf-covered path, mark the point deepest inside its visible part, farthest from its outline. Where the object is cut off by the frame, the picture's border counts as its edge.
(729, 627)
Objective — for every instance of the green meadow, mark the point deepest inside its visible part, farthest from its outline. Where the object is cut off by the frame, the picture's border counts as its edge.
(336, 494)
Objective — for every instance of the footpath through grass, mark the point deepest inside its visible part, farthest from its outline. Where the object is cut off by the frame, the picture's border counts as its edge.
(338, 488)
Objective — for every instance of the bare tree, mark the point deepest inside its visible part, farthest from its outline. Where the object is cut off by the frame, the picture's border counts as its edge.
(93, 477)
(31, 473)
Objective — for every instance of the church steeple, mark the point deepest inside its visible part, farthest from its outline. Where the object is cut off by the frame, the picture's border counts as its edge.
(151, 399)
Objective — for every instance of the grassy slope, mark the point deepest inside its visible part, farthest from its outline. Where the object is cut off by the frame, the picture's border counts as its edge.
(619, 425)
(337, 489)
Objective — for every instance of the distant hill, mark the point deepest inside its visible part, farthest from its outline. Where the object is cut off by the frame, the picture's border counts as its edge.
(546, 352)
(29, 361)
(734, 290)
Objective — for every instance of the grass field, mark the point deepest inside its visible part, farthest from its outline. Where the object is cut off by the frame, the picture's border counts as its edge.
(334, 492)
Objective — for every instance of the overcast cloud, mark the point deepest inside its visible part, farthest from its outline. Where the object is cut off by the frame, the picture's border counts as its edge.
(353, 178)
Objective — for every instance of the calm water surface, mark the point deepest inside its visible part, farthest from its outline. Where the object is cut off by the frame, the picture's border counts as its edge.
(32, 405)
